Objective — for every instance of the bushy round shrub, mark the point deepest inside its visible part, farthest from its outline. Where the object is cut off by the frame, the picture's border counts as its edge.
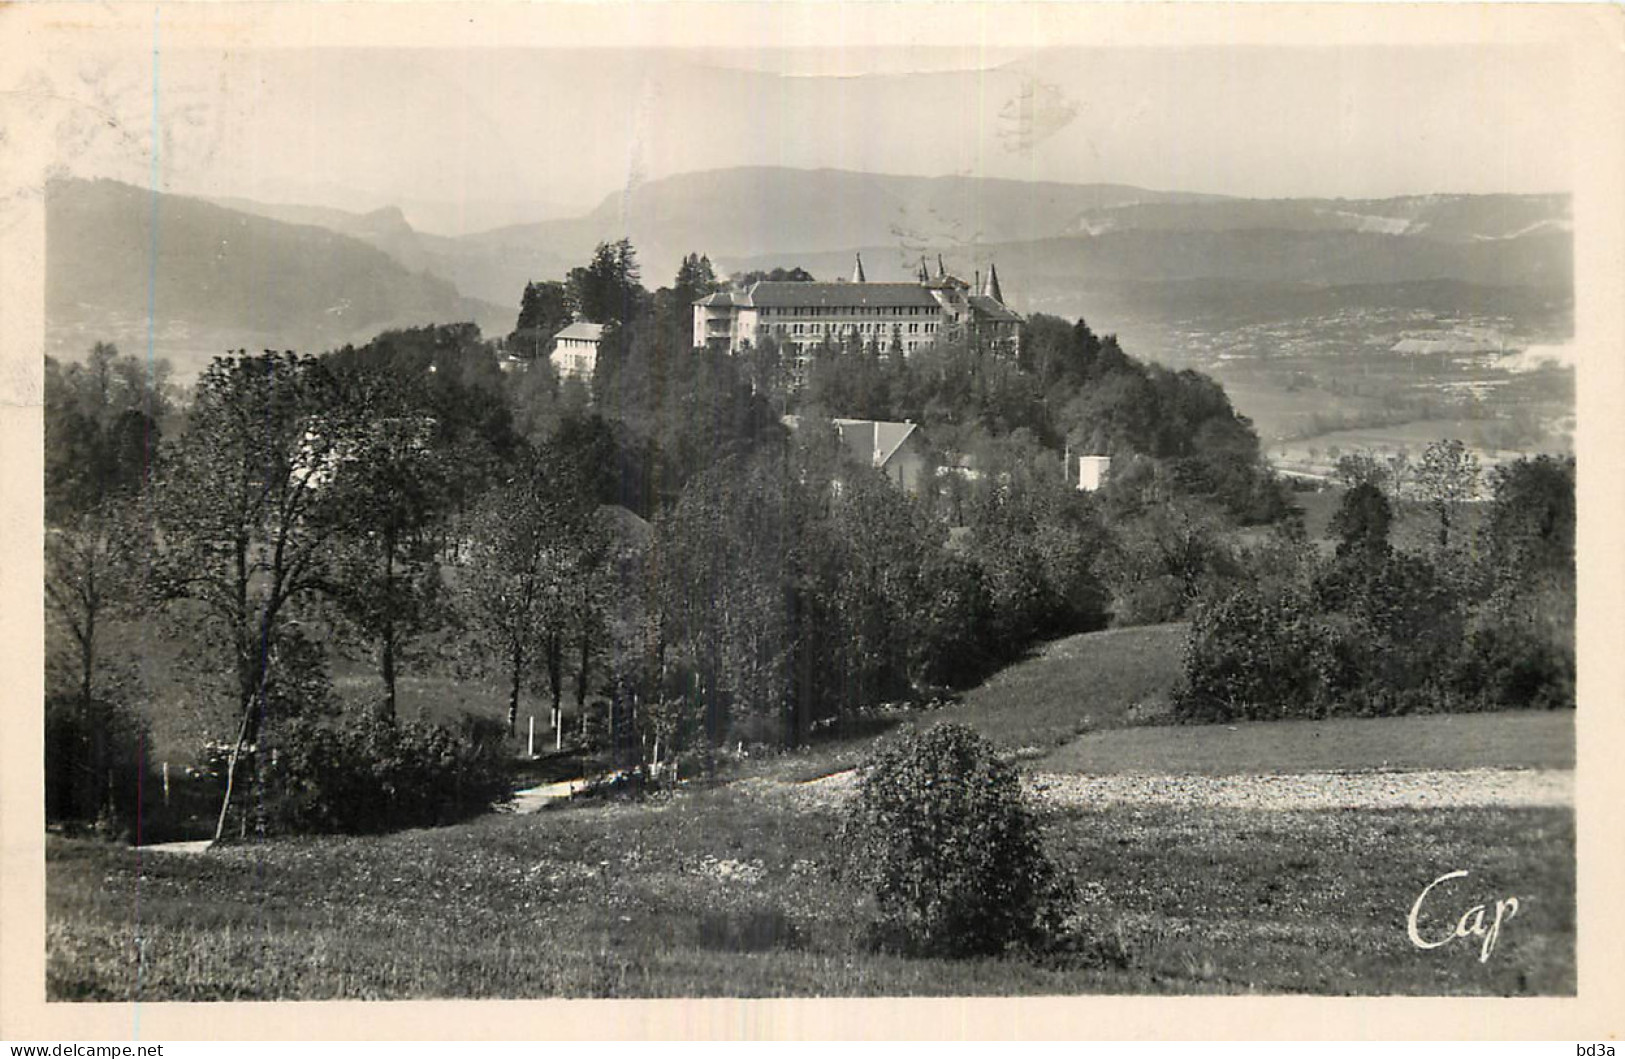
(1254, 655)
(1505, 667)
(942, 837)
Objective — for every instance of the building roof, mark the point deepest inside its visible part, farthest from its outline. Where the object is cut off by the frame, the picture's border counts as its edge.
(875, 440)
(991, 287)
(581, 329)
(986, 307)
(721, 297)
(791, 295)
(871, 441)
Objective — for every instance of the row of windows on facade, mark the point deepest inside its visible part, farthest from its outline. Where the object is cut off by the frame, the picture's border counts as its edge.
(855, 310)
(803, 353)
(848, 329)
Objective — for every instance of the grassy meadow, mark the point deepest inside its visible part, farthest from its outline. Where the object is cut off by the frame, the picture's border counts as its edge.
(730, 892)
(730, 887)
(1420, 741)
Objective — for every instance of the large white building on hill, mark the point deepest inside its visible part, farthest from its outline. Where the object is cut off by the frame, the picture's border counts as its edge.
(800, 317)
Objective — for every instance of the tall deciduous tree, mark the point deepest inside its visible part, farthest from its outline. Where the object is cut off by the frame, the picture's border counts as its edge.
(1446, 478)
(1530, 529)
(515, 587)
(391, 491)
(101, 439)
(245, 520)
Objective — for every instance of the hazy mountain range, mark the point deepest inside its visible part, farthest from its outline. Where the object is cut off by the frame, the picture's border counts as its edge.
(218, 279)
(248, 273)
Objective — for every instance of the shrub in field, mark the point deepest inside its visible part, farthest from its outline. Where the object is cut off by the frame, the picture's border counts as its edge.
(941, 836)
(1396, 627)
(1255, 655)
(1511, 664)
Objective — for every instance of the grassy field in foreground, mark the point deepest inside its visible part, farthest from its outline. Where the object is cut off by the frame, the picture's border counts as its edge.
(1431, 741)
(729, 892)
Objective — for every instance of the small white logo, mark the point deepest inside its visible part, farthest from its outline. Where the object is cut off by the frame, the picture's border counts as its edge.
(1470, 925)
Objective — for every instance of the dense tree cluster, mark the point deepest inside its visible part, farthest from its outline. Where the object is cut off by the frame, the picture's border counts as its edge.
(103, 422)
(1375, 629)
(1070, 390)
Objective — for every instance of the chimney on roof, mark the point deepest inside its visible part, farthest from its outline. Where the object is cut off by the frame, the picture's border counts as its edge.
(992, 288)
(925, 274)
(941, 272)
(857, 270)
(978, 286)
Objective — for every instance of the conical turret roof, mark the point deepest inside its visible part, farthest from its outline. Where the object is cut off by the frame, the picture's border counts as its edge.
(990, 289)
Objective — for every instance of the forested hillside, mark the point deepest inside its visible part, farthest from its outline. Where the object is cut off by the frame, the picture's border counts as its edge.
(657, 557)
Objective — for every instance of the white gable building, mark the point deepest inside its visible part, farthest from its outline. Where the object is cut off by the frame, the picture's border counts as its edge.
(575, 350)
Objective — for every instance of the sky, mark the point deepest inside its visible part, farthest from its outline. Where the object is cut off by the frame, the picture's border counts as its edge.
(466, 139)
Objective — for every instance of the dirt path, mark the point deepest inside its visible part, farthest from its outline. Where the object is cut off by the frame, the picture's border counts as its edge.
(535, 799)
(185, 848)
(1515, 788)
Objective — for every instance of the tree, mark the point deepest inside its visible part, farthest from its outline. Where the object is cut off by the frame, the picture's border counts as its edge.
(879, 596)
(245, 520)
(953, 646)
(1393, 626)
(1446, 478)
(607, 290)
(101, 441)
(1522, 651)
(724, 556)
(695, 279)
(544, 310)
(1255, 654)
(91, 575)
(102, 428)
(514, 589)
(450, 376)
(943, 838)
(392, 489)
(1530, 529)
(1362, 521)
(1364, 468)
